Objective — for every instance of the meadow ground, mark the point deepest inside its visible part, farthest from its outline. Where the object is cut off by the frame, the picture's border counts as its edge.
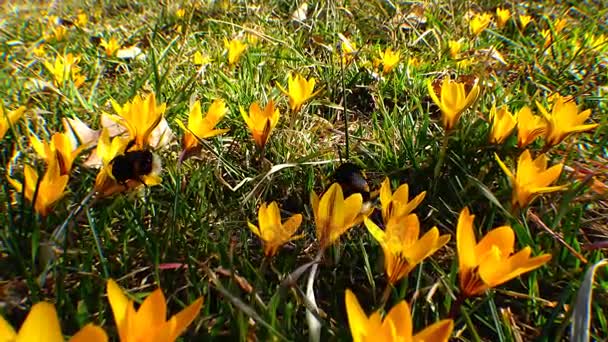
(498, 107)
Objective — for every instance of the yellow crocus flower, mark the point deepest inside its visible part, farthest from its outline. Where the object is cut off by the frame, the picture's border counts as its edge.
(200, 127)
(348, 49)
(334, 215)
(110, 46)
(299, 90)
(272, 231)
(39, 51)
(529, 126)
(107, 150)
(64, 69)
(453, 100)
(396, 326)
(42, 324)
(402, 247)
(493, 260)
(140, 116)
(50, 190)
(397, 204)
(502, 16)
(82, 19)
(479, 23)
(524, 20)
(503, 123)
(564, 120)
(455, 46)
(59, 32)
(149, 322)
(9, 118)
(389, 60)
(235, 49)
(200, 60)
(60, 147)
(531, 178)
(261, 122)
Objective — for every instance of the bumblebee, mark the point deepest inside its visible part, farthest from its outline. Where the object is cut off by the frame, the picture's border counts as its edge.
(352, 180)
(133, 165)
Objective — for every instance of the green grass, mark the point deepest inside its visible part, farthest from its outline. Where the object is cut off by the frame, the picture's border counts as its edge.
(193, 218)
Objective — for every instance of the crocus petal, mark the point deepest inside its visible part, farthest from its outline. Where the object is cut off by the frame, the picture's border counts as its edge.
(438, 332)
(502, 238)
(6, 331)
(254, 228)
(41, 324)
(185, 317)
(357, 319)
(153, 311)
(465, 240)
(504, 168)
(424, 247)
(401, 320)
(352, 208)
(292, 224)
(90, 333)
(118, 302)
(376, 232)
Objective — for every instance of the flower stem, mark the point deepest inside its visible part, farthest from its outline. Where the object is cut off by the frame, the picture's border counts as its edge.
(467, 318)
(386, 295)
(442, 153)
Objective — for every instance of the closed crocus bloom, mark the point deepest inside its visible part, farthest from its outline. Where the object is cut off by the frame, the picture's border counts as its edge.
(59, 147)
(479, 23)
(50, 190)
(42, 325)
(235, 49)
(389, 60)
(455, 46)
(503, 123)
(140, 117)
(492, 261)
(547, 35)
(397, 204)
(202, 127)
(9, 118)
(272, 231)
(532, 178)
(524, 20)
(564, 119)
(110, 46)
(529, 126)
(502, 16)
(396, 326)
(59, 32)
(334, 215)
(149, 322)
(299, 90)
(453, 100)
(261, 122)
(402, 247)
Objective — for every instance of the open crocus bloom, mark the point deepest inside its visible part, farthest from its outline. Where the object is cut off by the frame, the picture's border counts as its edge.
(395, 326)
(402, 245)
(491, 261)
(272, 231)
(149, 322)
(532, 178)
(42, 325)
